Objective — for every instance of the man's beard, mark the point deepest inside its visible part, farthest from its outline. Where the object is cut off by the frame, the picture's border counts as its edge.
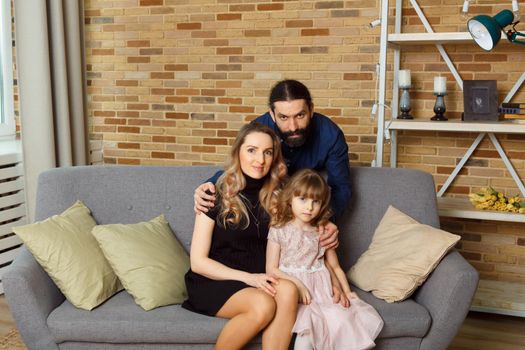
(295, 141)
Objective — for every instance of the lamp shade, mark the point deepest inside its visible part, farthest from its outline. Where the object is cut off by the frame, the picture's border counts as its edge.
(486, 30)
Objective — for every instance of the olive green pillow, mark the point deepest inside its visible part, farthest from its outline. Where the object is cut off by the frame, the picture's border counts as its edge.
(148, 260)
(402, 254)
(66, 250)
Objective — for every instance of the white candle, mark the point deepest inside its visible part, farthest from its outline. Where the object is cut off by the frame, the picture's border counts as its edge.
(440, 85)
(404, 78)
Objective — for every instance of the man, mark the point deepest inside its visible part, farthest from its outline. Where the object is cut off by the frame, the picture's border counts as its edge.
(309, 140)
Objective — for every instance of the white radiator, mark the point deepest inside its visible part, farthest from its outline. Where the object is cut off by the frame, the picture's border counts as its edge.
(13, 210)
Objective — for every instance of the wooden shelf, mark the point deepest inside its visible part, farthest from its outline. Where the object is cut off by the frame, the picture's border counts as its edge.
(462, 208)
(509, 127)
(433, 38)
(507, 298)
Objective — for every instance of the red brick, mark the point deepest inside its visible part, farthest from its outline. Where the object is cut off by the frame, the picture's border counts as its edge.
(213, 92)
(141, 122)
(214, 141)
(138, 106)
(298, 23)
(127, 114)
(229, 51)
(242, 109)
(160, 91)
(188, 92)
(177, 99)
(127, 83)
(104, 113)
(229, 16)
(164, 139)
(214, 125)
(128, 161)
(257, 32)
(189, 26)
(162, 75)
(151, 2)
(242, 8)
(230, 100)
(115, 121)
(203, 149)
(358, 76)
(315, 32)
(176, 67)
(102, 52)
(270, 7)
(177, 115)
(128, 145)
(129, 129)
(163, 155)
(132, 59)
(138, 43)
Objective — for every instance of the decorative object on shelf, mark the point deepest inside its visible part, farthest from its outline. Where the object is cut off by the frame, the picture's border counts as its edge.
(489, 199)
(480, 100)
(440, 90)
(486, 30)
(404, 103)
(512, 111)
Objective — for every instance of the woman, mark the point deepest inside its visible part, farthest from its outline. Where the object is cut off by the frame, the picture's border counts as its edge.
(228, 248)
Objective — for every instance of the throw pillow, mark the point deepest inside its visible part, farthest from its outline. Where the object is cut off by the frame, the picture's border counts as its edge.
(402, 254)
(148, 260)
(66, 250)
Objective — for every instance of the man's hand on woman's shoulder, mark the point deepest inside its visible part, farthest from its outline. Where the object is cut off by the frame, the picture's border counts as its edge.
(204, 198)
(329, 235)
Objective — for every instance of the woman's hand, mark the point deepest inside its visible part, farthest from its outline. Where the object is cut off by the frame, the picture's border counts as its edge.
(329, 235)
(204, 197)
(263, 282)
(304, 295)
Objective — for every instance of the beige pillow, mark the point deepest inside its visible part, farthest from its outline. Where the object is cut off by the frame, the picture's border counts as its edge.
(148, 260)
(402, 254)
(66, 250)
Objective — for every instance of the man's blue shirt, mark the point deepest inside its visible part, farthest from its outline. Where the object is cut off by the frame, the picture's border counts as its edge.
(325, 150)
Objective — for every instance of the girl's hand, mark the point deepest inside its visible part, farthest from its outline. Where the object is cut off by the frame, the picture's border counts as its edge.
(263, 282)
(344, 301)
(304, 294)
(350, 296)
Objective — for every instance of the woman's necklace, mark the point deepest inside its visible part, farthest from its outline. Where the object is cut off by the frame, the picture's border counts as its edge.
(255, 218)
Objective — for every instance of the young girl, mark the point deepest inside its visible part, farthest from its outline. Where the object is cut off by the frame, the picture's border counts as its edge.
(294, 253)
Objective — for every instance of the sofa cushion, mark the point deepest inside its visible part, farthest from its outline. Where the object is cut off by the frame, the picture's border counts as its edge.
(402, 319)
(120, 320)
(148, 260)
(66, 250)
(402, 254)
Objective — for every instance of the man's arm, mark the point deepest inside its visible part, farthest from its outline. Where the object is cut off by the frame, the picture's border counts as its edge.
(338, 171)
(204, 195)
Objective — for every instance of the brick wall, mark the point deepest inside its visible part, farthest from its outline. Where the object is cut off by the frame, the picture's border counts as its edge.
(171, 81)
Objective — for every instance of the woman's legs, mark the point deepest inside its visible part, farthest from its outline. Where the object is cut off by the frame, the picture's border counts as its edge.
(279, 332)
(249, 311)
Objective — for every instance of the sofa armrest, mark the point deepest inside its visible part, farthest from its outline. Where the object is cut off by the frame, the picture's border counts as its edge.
(447, 295)
(31, 295)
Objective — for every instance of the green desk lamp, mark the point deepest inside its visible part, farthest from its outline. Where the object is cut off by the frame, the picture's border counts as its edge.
(486, 30)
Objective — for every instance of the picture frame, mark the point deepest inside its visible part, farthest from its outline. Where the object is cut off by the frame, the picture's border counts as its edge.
(480, 100)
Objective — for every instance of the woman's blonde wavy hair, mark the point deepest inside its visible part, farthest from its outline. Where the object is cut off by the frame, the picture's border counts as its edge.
(232, 181)
(305, 183)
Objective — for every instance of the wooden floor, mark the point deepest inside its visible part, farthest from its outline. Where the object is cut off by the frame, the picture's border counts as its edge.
(480, 331)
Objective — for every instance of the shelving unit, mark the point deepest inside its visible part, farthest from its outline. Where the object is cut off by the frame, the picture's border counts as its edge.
(492, 296)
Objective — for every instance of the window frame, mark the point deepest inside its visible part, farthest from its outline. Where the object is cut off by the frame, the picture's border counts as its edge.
(7, 117)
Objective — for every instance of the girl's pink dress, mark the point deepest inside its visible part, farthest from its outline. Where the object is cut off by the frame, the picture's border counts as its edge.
(331, 326)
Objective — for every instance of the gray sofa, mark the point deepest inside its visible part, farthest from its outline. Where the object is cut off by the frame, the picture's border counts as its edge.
(427, 321)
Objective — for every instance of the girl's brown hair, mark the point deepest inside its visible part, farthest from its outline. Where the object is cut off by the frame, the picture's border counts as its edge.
(305, 183)
(232, 181)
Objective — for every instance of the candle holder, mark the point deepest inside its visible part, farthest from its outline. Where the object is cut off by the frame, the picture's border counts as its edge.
(404, 104)
(439, 107)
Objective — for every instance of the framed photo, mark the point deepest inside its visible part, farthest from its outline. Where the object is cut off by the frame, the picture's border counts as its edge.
(480, 100)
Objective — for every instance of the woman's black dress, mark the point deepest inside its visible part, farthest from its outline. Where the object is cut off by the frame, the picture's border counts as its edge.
(240, 249)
